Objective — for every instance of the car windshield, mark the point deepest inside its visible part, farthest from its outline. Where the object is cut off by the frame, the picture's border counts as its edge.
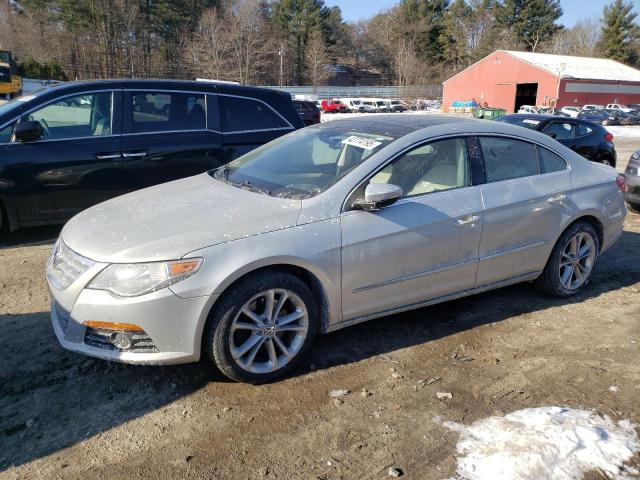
(302, 164)
(520, 120)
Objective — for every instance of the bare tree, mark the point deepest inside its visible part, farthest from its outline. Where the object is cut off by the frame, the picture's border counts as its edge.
(316, 59)
(207, 51)
(247, 44)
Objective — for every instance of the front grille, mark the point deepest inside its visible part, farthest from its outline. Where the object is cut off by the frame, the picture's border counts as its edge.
(63, 317)
(65, 266)
(103, 338)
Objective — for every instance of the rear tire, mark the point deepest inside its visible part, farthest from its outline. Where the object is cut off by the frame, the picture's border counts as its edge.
(571, 263)
(247, 337)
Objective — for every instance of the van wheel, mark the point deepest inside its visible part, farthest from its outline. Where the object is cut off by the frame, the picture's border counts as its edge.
(262, 328)
(571, 263)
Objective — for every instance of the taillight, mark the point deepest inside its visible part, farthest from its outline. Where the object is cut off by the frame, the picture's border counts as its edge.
(622, 185)
(608, 137)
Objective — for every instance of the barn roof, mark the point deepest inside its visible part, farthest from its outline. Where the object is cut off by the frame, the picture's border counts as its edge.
(584, 68)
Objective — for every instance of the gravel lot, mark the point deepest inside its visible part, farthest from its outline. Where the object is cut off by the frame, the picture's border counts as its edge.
(63, 415)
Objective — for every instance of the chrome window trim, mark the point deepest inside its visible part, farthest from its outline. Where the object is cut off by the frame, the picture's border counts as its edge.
(207, 129)
(454, 135)
(170, 131)
(57, 99)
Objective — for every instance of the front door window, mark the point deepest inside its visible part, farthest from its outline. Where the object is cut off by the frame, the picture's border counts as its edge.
(80, 116)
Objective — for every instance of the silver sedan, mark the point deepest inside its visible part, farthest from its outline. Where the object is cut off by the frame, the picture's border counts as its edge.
(324, 228)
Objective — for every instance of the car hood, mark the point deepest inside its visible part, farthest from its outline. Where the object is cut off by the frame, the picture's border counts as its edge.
(170, 220)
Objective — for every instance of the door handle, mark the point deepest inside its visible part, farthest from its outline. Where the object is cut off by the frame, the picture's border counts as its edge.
(556, 198)
(467, 220)
(134, 154)
(108, 156)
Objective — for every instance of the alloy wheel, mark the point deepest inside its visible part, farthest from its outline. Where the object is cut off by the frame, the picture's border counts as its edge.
(577, 260)
(268, 331)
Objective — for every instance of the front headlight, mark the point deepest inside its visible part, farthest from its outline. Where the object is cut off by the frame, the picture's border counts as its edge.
(133, 279)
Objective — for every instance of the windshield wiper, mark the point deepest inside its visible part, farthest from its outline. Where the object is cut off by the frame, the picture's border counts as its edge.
(222, 173)
(247, 185)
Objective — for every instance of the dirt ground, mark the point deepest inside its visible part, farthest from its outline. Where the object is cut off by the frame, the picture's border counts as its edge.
(63, 415)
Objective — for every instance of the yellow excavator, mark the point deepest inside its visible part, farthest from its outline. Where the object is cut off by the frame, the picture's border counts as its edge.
(10, 81)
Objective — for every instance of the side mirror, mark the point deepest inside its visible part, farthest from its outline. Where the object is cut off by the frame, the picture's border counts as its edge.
(378, 195)
(28, 131)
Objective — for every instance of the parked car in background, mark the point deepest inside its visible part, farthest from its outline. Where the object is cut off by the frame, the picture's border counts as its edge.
(369, 106)
(396, 106)
(632, 181)
(527, 109)
(353, 104)
(599, 116)
(333, 106)
(625, 118)
(309, 113)
(570, 111)
(589, 140)
(381, 105)
(617, 106)
(634, 106)
(73, 145)
(592, 107)
(327, 227)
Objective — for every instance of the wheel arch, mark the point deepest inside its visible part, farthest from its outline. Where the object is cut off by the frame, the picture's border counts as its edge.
(590, 218)
(305, 274)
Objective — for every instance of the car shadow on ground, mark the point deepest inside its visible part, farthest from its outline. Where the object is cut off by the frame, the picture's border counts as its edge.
(39, 416)
(29, 237)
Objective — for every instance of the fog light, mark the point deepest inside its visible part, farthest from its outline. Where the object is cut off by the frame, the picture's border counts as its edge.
(121, 340)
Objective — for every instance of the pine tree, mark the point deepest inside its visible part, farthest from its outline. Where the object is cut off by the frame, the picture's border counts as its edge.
(620, 34)
(533, 21)
(455, 34)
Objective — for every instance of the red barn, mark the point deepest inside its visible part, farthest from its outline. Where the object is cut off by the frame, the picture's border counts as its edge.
(508, 79)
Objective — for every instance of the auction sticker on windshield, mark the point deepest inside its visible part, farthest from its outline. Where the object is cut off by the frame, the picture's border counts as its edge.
(361, 142)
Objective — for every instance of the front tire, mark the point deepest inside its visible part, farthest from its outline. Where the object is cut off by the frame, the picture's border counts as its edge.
(262, 328)
(572, 261)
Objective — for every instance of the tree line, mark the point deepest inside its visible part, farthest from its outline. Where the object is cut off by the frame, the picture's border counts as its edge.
(295, 42)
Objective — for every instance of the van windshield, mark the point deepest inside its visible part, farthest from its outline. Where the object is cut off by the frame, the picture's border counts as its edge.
(302, 164)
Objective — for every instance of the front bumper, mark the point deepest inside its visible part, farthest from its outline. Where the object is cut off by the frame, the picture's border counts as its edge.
(174, 324)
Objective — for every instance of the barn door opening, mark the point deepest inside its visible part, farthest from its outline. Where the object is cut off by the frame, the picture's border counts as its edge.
(526, 94)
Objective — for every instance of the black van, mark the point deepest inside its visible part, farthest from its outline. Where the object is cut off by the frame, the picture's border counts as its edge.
(73, 145)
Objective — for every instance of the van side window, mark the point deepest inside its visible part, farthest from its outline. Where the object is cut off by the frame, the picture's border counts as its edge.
(240, 114)
(551, 162)
(167, 112)
(506, 158)
(83, 115)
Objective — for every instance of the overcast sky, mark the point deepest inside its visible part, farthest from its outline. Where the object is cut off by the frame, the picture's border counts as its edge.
(574, 10)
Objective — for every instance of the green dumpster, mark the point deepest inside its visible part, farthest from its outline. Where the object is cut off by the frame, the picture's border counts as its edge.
(489, 113)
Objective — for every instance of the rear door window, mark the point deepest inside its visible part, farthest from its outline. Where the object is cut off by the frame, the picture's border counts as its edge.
(559, 130)
(506, 158)
(583, 130)
(239, 114)
(550, 162)
(167, 111)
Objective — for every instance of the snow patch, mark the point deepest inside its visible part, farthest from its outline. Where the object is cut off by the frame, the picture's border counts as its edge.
(546, 443)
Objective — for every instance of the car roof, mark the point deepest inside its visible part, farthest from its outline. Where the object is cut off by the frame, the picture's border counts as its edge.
(398, 125)
(212, 86)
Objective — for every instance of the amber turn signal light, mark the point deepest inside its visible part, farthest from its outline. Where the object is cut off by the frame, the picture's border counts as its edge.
(127, 327)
